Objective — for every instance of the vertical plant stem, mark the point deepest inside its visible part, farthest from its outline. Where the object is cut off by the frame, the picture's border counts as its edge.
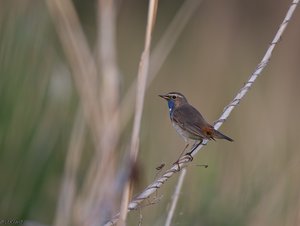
(140, 94)
(175, 198)
(82, 63)
(68, 187)
(98, 189)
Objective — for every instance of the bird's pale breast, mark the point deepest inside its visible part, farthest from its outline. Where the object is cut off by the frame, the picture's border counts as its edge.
(184, 134)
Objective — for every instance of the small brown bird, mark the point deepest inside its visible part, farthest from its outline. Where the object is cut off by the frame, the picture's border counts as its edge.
(188, 121)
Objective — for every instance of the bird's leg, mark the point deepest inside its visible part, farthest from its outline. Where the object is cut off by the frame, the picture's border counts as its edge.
(196, 144)
(177, 161)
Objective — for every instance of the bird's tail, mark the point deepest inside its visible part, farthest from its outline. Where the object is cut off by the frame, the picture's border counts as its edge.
(219, 135)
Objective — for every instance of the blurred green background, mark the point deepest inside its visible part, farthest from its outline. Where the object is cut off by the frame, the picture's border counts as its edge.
(253, 181)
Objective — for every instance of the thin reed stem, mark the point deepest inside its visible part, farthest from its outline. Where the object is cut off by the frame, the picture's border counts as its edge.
(140, 94)
(68, 186)
(98, 186)
(175, 197)
(82, 63)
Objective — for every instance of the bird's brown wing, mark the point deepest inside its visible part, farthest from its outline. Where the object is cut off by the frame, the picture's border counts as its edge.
(189, 119)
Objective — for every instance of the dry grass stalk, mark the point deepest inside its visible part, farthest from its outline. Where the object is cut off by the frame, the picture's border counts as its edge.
(140, 94)
(68, 187)
(84, 72)
(175, 198)
(85, 76)
(81, 61)
(100, 177)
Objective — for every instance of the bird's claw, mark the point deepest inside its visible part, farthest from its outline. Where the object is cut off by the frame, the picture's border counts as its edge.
(178, 165)
(189, 155)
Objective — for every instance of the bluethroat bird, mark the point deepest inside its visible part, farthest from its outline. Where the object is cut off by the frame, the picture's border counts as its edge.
(188, 121)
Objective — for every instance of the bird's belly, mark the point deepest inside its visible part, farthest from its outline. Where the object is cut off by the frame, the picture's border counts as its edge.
(185, 134)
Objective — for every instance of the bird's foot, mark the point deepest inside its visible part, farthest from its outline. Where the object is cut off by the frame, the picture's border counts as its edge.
(178, 165)
(189, 155)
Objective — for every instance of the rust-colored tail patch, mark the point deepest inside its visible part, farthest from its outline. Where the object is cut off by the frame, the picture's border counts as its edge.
(213, 134)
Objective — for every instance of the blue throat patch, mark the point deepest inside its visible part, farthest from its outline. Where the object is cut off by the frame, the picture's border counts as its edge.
(171, 105)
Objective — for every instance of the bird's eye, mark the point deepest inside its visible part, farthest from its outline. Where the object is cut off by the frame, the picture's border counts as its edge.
(174, 97)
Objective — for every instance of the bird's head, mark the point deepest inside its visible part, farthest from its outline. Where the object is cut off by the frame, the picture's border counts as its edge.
(174, 99)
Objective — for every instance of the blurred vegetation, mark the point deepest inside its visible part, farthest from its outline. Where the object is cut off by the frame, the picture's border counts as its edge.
(253, 181)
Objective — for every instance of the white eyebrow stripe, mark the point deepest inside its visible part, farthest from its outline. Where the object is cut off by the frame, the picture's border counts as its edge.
(175, 94)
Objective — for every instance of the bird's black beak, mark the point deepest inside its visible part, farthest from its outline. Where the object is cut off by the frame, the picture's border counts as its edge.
(166, 97)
